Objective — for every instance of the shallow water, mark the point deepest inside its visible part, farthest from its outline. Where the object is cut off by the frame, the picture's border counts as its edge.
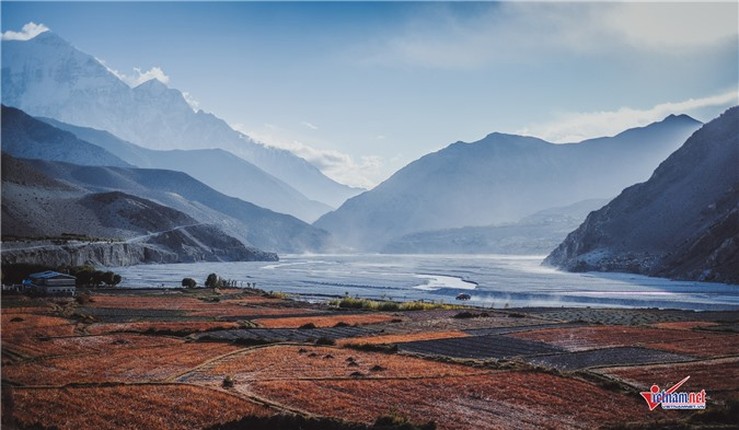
(492, 281)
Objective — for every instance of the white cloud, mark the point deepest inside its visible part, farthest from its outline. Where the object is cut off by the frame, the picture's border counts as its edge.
(520, 31)
(309, 125)
(138, 77)
(672, 26)
(341, 167)
(574, 127)
(194, 104)
(29, 31)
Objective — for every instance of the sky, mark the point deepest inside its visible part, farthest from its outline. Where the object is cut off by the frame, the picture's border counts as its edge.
(361, 89)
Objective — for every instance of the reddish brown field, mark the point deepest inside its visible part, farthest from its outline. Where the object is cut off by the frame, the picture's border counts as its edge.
(176, 326)
(684, 325)
(305, 362)
(241, 305)
(141, 360)
(141, 378)
(398, 338)
(698, 343)
(134, 407)
(17, 327)
(75, 345)
(325, 321)
(495, 401)
(720, 378)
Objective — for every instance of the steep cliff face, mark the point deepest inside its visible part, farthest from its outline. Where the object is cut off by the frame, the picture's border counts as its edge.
(682, 223)
(126, 254)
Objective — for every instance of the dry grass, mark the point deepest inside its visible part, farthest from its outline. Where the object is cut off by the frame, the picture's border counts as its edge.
(289, 363)
(703, 344)
(151, 407)
(495, 401)
(398, 338)
(141, 360)
(17, 327)
(717, 377)
(172, 326)
(325, 321)
(685, 325)
(227, 307)
(66, 346)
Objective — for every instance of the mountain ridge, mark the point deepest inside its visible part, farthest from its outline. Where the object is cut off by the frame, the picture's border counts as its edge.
(243, 180)
(681, 223)
(46, 76)
(498, 179)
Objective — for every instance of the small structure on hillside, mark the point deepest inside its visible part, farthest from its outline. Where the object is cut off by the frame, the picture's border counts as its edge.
(50, 283)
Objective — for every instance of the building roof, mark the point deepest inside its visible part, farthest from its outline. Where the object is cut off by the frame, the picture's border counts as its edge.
(50, 274)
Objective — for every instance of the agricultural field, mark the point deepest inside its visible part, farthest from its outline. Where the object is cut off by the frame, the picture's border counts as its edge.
(187, 359)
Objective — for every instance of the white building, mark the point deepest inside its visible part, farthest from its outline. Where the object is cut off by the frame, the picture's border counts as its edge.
(51, 283)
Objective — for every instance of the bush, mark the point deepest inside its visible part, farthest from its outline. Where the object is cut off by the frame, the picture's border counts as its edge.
(189, 283)
(386, 306)
(325, 341)
(83, 298)
(213, 281)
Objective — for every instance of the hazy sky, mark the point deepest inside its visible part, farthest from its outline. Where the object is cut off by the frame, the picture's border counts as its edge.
(361, 89)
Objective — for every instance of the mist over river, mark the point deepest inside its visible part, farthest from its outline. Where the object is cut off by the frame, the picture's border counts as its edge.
(496, 281)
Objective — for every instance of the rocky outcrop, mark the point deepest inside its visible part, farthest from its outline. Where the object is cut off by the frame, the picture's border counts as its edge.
(127, 254)
(97, 254)
(682, 223)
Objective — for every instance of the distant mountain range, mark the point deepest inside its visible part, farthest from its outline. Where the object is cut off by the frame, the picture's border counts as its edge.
(681, 223)
(178, 192)
(216, 168)
(535, 234)
(46, 76)
(501, 179)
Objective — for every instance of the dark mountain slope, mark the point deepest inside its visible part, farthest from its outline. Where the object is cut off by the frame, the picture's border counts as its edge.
(681, 223)
(256, 226)
(25, 137)
(216, 168)
(122, 229)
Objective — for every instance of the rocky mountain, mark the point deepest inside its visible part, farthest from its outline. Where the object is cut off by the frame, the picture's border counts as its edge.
(251, 224)
(501, 179)
(24, 136)
(230, 174)
(681, 223)
(64, 224)
(535, 234)
(46, 76)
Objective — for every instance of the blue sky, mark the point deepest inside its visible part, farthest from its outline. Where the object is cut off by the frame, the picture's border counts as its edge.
(361, 89)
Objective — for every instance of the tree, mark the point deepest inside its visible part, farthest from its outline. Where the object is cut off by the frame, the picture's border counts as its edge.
(111, 278)
(213, 281)
(189, 283)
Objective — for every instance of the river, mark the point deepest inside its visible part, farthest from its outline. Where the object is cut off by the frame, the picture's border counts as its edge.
(495, 281)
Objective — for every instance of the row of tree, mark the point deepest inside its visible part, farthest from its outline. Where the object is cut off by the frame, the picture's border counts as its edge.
(212, 281)
(87, 276)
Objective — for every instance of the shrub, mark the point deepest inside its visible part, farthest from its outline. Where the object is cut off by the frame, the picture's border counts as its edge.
(213, 281)
(327, 341)
(189, 283)
(83, 298)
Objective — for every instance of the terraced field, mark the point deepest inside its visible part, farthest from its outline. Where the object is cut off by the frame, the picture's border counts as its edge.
(198, 358)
